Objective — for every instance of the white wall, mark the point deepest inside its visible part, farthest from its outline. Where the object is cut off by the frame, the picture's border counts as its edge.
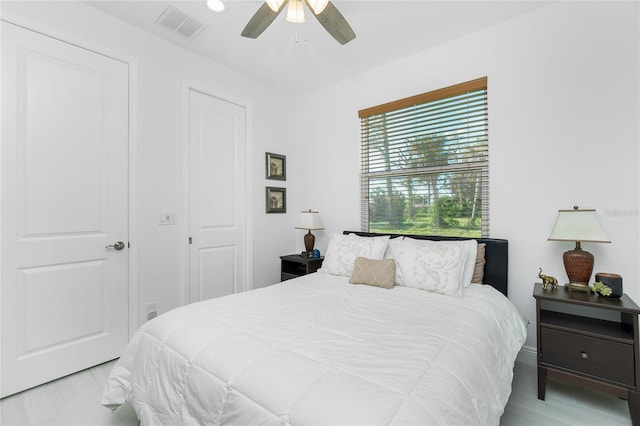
(564, 130)
(162, 69)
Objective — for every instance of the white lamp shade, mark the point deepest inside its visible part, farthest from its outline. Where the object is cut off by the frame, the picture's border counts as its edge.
(309, 220)
(578, 225)
(295, 11)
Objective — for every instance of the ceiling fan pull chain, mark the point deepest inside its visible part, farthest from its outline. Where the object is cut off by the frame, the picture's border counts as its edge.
(298, 38)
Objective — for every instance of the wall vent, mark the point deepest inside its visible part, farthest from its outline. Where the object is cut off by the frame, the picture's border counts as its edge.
(179, 21)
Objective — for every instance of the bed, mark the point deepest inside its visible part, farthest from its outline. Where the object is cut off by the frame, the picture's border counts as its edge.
(323, 349)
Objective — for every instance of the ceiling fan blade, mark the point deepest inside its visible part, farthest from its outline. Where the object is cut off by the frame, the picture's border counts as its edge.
(333, 21)
(261, 20)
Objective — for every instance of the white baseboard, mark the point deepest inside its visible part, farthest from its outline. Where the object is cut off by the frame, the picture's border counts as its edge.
(528, 355)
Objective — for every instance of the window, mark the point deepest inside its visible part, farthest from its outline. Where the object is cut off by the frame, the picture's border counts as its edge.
(425, 165)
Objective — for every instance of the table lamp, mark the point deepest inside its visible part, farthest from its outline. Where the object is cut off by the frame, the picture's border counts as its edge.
(579, 226)
(309, 220)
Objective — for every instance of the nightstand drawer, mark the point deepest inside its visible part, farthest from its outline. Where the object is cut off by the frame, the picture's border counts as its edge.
(598, 357)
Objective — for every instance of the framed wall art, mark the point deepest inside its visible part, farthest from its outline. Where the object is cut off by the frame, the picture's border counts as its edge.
(276, 166)
(276, 199)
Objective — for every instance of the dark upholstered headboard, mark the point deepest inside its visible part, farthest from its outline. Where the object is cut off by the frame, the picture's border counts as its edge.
(496, 256)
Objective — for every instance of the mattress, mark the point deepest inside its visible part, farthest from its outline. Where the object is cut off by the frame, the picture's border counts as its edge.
(318, 350)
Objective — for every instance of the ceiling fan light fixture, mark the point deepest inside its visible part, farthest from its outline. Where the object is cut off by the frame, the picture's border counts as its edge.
(323, 11)
(295, 11)
(274, 4)
(317, 5)
(215, 5)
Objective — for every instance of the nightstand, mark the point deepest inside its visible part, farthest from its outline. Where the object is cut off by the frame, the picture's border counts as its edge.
(589, 340)
(294, 265)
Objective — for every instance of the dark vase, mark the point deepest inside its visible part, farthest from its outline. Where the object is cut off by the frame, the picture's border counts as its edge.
(614, 281)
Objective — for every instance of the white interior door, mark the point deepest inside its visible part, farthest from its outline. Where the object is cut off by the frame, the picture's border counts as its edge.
(217, 188)
(64, 182)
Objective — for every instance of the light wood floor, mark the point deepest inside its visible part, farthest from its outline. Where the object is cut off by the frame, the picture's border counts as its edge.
(72, 400)
(75, 400)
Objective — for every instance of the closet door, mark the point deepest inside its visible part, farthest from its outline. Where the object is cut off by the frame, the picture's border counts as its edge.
(64, 217)
(217, 193)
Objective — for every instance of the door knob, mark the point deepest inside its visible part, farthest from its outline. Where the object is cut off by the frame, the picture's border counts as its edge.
(117, 246)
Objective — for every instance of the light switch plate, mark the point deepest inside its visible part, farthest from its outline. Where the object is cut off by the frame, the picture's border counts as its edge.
(167, 217)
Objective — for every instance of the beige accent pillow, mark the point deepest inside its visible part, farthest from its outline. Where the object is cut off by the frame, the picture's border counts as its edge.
(478, 272)
(379, 273)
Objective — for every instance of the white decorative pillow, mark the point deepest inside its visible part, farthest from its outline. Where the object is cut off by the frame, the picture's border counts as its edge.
(391, 246)
(470, 248)
(436, 266)
(343, 249)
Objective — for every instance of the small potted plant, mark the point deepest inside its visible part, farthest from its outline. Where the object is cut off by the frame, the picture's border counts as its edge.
(601, 288)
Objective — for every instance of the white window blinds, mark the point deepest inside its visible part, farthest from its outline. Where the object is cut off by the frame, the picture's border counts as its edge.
(425, 166)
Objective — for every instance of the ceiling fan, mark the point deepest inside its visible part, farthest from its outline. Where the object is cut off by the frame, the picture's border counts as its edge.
(324, 11)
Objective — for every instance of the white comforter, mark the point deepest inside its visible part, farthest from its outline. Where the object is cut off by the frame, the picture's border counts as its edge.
(318, 350)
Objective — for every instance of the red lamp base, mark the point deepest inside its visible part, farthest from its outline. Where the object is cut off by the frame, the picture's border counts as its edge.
(309, 241)
(579, 266)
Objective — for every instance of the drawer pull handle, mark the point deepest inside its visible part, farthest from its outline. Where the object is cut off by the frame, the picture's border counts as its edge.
(584, 355)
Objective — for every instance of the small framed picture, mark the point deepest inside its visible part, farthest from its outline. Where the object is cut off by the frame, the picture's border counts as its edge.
(276, 166)
(276, 200)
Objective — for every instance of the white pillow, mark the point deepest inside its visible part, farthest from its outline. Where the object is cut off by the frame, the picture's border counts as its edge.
(392, 247)
(470, 248)
(436, 266)
(343, 249)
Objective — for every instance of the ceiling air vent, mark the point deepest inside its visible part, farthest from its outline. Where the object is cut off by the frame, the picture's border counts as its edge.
(179, 21)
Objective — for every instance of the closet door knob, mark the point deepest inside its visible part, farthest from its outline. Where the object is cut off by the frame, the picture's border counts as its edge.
(117, 246)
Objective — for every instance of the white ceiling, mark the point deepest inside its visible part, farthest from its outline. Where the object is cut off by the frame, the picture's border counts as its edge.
(299, 58)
